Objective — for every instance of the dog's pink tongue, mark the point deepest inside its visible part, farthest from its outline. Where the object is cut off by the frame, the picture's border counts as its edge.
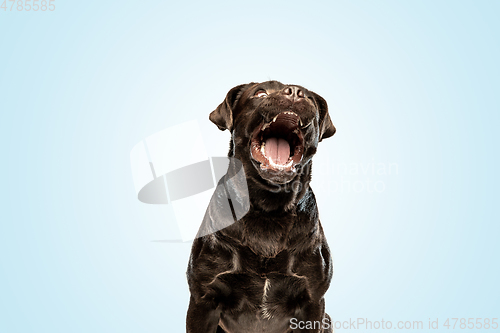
(278, 150)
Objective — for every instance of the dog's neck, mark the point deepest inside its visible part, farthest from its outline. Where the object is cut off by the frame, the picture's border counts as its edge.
(277, 198)
(277, 218)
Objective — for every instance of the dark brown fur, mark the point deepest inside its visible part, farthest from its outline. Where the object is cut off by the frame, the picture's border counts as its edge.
(280, 239)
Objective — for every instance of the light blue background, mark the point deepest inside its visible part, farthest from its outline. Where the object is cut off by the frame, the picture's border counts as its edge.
(409, 83)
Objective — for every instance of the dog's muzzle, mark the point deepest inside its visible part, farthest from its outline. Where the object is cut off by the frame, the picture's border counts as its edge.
(279, 144)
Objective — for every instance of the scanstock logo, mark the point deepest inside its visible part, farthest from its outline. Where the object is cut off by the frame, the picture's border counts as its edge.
(212, 190)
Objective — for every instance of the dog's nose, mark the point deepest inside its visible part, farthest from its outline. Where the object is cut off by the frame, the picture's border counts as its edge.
(293, 93)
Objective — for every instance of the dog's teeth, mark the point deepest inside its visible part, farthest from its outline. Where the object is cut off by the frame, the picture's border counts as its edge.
(300, 122)
(275, 118)
(262, 148)
(277, 166)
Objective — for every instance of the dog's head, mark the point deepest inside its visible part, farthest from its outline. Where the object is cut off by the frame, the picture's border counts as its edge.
(275, 127)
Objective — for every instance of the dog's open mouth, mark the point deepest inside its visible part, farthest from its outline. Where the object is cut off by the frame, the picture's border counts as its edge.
(279, 144)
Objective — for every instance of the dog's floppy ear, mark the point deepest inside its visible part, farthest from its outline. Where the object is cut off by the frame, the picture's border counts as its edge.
(326, 128)
(223, 115)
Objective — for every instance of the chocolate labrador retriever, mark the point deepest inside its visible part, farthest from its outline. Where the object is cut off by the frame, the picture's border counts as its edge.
(268, 270)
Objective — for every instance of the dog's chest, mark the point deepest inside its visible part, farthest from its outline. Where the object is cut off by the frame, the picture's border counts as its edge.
(264, 306)
(264, 303)
(265, 286)
(279, 292)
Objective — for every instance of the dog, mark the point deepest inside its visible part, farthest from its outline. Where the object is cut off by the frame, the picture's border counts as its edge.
(267, 271)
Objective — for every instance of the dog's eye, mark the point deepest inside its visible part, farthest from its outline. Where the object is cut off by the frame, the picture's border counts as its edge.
(260, 93)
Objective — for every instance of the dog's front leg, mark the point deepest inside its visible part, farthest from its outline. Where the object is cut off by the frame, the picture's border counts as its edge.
(202, 316)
